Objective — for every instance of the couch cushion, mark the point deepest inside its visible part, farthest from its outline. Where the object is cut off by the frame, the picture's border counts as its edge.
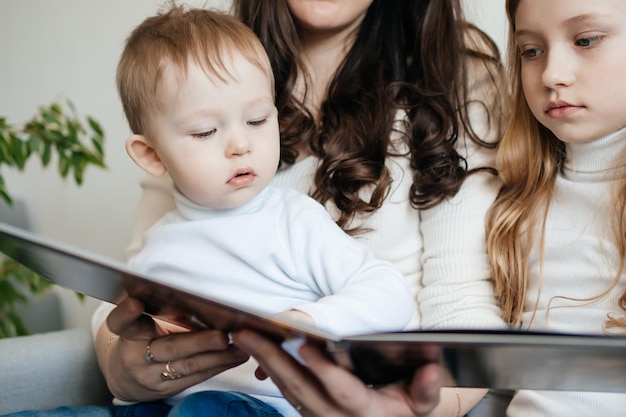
(50, 370)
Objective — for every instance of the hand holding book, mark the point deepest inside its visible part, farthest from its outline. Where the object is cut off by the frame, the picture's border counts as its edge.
(475, 358)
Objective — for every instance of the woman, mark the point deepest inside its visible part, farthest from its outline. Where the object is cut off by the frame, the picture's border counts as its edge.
(389, 117)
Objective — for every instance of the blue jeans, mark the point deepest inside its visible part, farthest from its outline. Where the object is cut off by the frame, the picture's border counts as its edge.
(203, 404)
(87, 411)
(154, 409)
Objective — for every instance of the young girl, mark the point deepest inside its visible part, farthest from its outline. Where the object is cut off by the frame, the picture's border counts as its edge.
(557, 231)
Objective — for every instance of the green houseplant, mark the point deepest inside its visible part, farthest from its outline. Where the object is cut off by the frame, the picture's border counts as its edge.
(56, 132)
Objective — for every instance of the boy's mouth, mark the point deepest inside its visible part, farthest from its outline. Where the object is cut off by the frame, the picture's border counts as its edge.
(242, 177)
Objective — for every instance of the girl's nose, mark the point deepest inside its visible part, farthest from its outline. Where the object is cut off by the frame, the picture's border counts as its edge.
(558, 70)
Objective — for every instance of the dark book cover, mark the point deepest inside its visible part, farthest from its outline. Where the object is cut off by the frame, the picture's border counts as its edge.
(500, 359)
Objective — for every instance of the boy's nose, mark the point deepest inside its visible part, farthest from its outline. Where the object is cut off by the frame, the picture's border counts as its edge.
(238, 144)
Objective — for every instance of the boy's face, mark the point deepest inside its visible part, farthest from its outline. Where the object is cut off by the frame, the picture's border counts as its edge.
(218, 140)
(573, 56)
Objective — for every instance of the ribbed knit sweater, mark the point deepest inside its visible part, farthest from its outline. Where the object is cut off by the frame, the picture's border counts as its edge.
(580, 261)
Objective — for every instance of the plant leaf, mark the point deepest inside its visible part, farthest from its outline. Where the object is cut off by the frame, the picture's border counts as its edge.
(51, 127)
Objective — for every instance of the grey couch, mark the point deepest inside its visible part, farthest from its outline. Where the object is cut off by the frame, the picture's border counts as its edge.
(53, 367)
(50, 370)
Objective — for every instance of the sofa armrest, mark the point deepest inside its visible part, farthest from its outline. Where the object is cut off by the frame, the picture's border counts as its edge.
(50, 370)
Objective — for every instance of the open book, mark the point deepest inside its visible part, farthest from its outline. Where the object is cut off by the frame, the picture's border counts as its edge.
(491, 359)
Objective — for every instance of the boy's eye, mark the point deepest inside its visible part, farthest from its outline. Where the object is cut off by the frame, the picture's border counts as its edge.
(257, 122)
(204, 135)
(588, 42)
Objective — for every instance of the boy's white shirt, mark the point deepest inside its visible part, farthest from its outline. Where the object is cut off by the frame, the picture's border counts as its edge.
(280, 251)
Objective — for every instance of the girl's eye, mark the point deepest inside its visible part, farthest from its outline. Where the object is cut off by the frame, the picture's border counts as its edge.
(257, 122)
(588, 42)
(204, 135)
(530, 53)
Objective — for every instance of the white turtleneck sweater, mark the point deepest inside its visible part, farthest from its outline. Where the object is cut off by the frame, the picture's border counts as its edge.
(580, 261)
(279, 251)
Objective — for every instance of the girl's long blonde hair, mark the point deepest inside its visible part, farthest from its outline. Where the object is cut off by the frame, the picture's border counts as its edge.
(529, 159)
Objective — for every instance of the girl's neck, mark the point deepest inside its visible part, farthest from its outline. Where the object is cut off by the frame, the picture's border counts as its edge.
(600, 158)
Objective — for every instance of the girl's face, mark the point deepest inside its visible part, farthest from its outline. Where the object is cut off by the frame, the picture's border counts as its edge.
(328, 16)
(573, 65)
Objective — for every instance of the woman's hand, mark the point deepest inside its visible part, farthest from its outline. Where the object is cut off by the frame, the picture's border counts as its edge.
(324, 389)
(151, 360)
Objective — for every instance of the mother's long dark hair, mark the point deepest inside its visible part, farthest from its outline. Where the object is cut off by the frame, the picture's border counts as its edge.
(408, 54)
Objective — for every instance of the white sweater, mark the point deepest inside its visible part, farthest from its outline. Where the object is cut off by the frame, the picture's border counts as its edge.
(580, 261)
(280, 251)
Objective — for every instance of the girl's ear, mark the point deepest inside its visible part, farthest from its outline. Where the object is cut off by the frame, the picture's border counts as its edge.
(139, 149)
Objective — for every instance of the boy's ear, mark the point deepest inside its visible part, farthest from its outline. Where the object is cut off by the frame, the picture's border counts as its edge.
(139, 149)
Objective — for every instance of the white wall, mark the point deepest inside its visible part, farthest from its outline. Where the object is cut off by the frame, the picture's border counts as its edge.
(68, 49)
(490, 16)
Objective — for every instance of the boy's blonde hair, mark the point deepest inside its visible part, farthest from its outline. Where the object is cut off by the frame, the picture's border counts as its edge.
(177, 37)
(529, 160)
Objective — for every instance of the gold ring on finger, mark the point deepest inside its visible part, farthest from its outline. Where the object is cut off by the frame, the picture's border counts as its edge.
(169, 373)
